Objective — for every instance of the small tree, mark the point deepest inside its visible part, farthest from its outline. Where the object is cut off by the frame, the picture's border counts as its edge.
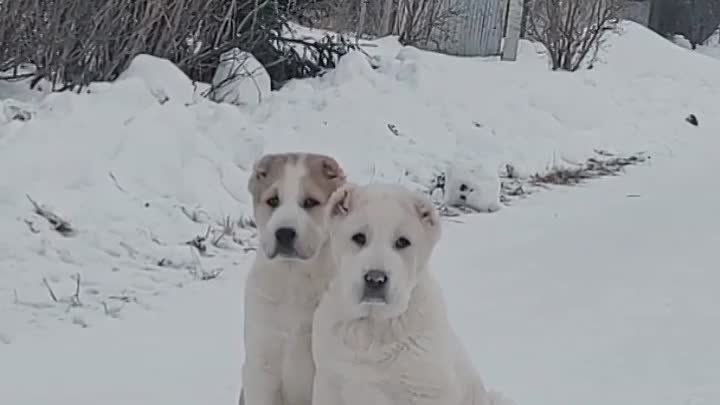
(570, 29)
(428, 21)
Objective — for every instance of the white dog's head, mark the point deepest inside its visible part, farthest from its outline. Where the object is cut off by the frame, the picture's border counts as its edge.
(381, 237)
(290, 192)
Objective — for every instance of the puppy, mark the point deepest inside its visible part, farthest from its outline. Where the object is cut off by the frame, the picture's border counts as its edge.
(291, 271)
(381, 334)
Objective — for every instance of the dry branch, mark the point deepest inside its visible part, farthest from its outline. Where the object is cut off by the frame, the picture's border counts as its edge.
(60, 225)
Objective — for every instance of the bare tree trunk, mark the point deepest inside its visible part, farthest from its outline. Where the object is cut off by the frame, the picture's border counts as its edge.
(514, 25)
(361, 22)
(385, 28)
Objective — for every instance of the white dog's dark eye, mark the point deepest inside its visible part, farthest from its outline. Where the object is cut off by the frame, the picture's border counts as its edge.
(402, 242)
(359, 238)
(309, 203)
(273, 202)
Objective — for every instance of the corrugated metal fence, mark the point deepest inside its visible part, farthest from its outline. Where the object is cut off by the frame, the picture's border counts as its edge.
(472, 27)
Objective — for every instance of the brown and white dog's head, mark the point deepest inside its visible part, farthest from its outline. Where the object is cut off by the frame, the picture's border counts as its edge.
(289, 192)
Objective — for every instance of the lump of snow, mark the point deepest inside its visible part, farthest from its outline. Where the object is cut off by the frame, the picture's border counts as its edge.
(476, 189)
(681, 41)
(352, 66)
(408, 53)
(405, 66)
(164, 80)
(14, 111)
(240, 79)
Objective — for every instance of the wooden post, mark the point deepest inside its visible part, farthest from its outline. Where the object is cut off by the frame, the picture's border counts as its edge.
(514, 22)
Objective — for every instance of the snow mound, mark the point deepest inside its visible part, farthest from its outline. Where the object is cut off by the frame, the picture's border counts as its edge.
(165, 81)
(240, 79)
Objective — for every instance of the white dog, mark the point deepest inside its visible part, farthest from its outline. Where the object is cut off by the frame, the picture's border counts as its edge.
(381, 334)
(291, 271)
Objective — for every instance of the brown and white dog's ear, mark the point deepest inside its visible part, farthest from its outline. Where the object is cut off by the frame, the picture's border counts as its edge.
(261, 171)
(331, 169)
(428, 215)
(339, 203)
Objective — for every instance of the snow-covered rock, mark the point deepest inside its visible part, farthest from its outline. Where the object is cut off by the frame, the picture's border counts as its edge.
(164, 80)
(240, 79)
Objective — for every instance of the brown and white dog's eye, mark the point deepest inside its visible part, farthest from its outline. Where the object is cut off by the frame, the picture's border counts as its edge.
(309, 203)
(273, 202)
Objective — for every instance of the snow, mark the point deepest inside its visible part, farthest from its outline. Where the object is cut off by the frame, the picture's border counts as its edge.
(602, 293)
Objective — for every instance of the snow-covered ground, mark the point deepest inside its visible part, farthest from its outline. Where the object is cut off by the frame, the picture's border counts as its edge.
(604, 293)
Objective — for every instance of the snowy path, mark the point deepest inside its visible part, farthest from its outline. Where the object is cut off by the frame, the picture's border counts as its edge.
(575, 296)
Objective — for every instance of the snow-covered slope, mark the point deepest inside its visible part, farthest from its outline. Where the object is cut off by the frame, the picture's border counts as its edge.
(611, 301)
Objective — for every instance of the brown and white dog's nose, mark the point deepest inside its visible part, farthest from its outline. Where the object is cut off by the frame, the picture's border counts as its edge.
(285, 237)
(375, 286)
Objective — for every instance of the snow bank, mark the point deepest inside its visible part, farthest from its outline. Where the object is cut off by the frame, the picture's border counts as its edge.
(139, 174)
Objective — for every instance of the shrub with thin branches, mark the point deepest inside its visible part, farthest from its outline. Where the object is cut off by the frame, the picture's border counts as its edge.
(570, 29)
(75, 42)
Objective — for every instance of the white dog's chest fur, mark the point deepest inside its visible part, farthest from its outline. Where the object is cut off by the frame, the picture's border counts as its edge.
(409, 361)
(401, 373)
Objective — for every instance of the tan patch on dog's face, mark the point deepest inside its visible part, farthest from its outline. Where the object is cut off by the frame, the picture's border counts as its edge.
(267, 170)
(290, 191)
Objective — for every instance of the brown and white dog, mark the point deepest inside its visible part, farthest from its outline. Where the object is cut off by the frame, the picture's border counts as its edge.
(291, 271)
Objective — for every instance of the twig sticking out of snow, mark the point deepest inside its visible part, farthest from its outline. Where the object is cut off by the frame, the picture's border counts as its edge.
(72, 301)
(116, 182)
(394, 129)
(60, 225)
(199, 273)
(113, 312)
(197, 215)
(75, 298)
(50, 290)
(199, 242)
(30, 225)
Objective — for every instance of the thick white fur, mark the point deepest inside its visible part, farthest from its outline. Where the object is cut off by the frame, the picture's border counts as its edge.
(281, 295)
(403, 352)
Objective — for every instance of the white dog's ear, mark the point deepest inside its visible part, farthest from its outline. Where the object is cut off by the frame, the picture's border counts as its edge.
(428, 215)
(339, 202)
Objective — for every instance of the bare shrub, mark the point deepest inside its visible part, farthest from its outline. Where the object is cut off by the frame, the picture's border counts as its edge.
(428, 21)
(75, 42)
(570, 29)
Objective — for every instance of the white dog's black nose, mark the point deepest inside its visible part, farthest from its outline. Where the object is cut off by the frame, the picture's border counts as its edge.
(375, 286)
(285, 237)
